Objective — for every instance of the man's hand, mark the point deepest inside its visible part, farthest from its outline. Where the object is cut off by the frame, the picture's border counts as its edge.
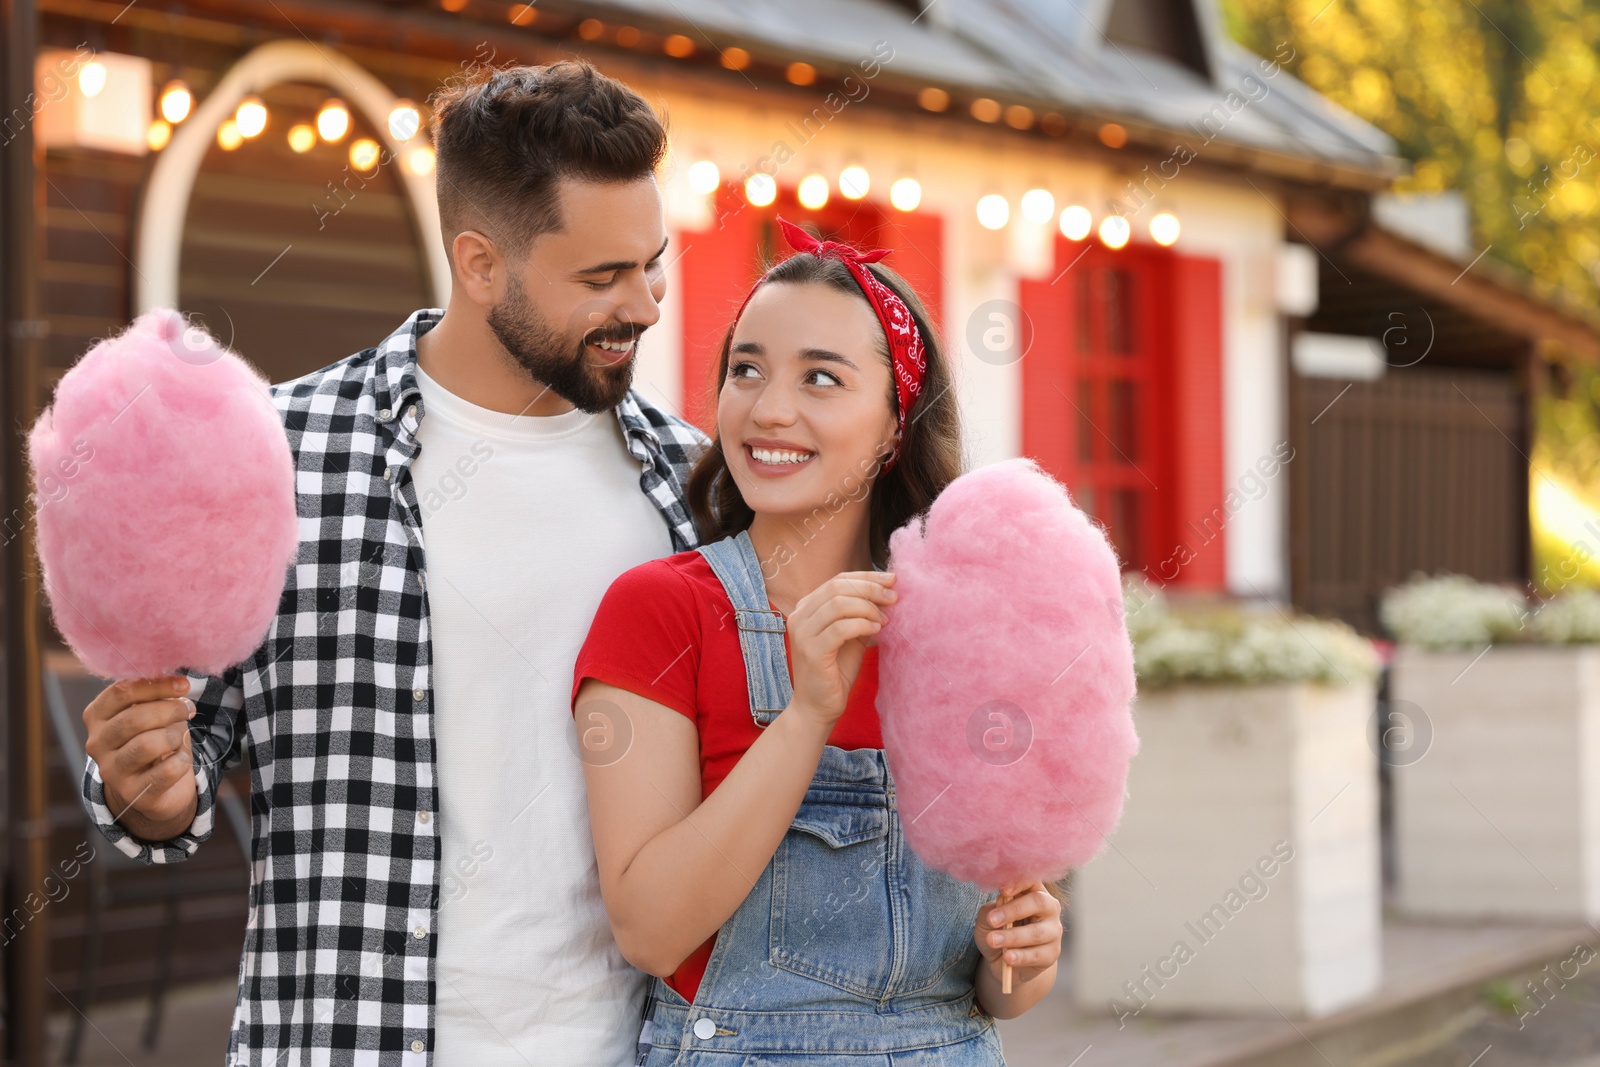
(139, 738)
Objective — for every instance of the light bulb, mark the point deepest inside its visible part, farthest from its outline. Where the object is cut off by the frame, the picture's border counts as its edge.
(92, 78)
(1076, 222)
(993, 211)
(905, 194)
(1038, 206)
(333, 121)
(364, 154)
(420, 160)
(404, 121)
(760, 189)
(1115, 231)
(176, 102)
(302, 137)
(813, 191)
(704, 177)
(158, 135)
(1164, 228)
(251, 116)
(854, 181)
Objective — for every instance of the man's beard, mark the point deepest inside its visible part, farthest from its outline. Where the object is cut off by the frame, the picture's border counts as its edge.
(570, 374)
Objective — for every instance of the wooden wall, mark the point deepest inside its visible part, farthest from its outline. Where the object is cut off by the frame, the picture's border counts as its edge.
(351, 269)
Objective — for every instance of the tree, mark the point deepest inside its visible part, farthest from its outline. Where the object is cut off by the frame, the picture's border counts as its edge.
(1495, 98)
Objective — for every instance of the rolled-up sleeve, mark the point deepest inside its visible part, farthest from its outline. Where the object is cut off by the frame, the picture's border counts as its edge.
(216, 733)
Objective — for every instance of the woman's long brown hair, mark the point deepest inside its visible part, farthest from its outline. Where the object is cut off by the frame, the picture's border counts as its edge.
(930, 451)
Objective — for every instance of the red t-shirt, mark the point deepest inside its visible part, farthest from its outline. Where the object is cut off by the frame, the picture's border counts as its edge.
(665, 631)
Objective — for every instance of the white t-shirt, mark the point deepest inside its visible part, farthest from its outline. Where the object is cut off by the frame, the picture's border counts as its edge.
(526, 520)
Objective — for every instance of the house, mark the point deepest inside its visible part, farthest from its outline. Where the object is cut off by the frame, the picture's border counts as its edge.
(1159, 262)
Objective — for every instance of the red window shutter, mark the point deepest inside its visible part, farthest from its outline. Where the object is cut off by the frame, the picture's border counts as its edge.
(917, 238)
(719, 266)
(1194, 374)
(1047, 380)
(716, 269)
(1122, 401)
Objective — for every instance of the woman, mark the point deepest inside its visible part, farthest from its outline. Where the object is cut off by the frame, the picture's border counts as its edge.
(750, 853)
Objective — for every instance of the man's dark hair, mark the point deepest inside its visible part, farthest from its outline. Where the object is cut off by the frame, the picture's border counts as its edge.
(506, 136)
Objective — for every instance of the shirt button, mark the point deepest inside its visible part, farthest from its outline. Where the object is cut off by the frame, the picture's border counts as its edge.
(417, 1045)
(419, 694)
(419, 933)
(411, 412)
(705, 1029)
(423, 817)
(388, 472)
(385, 414)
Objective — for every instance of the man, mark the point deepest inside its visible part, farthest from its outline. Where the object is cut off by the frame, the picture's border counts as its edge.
(424, 886)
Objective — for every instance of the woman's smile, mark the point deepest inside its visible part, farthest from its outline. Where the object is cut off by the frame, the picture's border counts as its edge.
(771, 458)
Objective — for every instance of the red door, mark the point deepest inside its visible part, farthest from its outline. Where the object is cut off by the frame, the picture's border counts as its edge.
(1122, 400)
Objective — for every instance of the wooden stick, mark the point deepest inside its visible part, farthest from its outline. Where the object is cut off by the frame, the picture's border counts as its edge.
(1005, 968)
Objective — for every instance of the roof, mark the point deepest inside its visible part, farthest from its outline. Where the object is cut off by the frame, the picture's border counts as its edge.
(1054, 54)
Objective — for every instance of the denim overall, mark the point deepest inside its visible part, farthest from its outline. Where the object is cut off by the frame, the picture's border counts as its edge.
(849, 950)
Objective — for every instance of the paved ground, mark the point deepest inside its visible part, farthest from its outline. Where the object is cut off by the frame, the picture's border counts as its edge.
(1564, 1031)
(194, 1031)
(1507, 1027)
(1412, 1014)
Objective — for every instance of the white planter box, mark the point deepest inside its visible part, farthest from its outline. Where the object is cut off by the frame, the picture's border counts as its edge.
(1501, 815)
(1190, 908)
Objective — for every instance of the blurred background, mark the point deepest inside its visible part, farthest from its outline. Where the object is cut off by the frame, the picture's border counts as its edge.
(1297, 296)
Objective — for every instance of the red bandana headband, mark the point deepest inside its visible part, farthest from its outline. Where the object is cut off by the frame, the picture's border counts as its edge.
(906, 354)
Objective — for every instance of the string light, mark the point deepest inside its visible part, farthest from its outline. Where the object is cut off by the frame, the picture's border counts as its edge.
(905, 194)
(933, 99)
(1038, 206)
(302, 137)
(1164, 229)
(228, 136)
(251, 116)
(1076, 222)
(704, 177)
(735, 58)
(994, 211)
(1115, 231)
(800, 74)
(333, 121)
(176, 102)
(854, 181)
(678, 46)
(760, 189)
(364, 154)
(158, 135)
(813, 191)
(92, 79)
(1113, 135)
(404, 121)
(420, 160)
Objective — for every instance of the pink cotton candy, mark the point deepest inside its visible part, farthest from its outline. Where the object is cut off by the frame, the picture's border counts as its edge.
(165, 501)
(1009, 623)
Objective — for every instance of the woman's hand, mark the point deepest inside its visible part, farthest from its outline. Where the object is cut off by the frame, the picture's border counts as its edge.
(1033, 944)
(829, 631)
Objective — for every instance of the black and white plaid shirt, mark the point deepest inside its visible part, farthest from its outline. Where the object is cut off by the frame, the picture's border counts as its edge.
(336, 708)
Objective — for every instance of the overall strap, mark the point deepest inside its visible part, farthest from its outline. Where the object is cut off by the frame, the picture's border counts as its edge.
(761, 629)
